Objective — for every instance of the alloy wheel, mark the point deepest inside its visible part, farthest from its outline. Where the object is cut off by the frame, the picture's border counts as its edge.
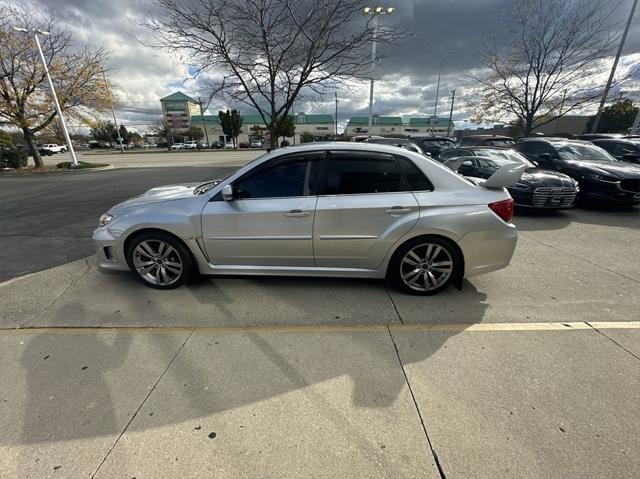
(426, 267)
(157, 262)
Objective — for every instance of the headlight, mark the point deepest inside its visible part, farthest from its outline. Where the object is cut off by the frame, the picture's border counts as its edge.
(608, 179)
(105, 219)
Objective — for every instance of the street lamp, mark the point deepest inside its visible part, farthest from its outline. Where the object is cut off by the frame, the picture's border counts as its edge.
(53, 91)
(435, 108)
(375, 11)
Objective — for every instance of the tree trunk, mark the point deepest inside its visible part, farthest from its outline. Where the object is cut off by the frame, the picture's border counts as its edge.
(273, 138)
(33, 150)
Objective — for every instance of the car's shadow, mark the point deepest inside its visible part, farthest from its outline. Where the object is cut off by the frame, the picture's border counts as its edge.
(527, 219)
(220, 370)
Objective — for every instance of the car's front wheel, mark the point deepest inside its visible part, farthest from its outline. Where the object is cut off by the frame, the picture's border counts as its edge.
(425, 266)
(160, 260)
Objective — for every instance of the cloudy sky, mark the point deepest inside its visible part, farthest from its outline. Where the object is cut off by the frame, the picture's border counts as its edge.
(442, 28)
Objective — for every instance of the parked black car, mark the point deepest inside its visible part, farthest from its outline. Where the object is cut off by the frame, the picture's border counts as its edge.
(487, 140)
(433, 145)
(537, 188)
(597, 136)
(621, 148)
(217, 145)
(401, 142)
(601, 176)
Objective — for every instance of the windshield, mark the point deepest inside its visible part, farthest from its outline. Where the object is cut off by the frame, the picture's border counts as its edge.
(506, 143)
(580, 151)
(509, 155)
(207, 185)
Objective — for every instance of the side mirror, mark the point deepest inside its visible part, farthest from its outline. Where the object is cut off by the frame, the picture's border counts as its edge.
(227, 193)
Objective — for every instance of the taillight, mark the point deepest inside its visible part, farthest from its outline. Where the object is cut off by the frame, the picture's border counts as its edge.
(504, 209)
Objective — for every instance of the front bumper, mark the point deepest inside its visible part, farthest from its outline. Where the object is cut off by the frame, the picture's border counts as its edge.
(109, 252)
(545, 197)
(611, 192)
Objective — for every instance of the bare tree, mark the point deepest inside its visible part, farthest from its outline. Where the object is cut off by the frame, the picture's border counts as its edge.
(550, 63)
(267, 53)
(25, 100)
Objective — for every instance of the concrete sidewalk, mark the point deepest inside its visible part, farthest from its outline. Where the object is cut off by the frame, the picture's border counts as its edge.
(192, 403)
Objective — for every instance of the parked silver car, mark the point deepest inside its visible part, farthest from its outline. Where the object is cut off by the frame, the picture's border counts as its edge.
(333, 209)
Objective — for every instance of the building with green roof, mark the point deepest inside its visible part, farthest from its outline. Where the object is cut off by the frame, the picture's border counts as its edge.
(177, 110)
(182, 111)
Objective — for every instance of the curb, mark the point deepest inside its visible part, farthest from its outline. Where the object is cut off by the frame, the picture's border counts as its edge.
(100, 168)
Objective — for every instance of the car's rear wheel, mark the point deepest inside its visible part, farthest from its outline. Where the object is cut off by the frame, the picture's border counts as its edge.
(425, 266)
(160, 260)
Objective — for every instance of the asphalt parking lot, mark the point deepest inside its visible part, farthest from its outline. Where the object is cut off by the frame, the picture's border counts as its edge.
(532, 371)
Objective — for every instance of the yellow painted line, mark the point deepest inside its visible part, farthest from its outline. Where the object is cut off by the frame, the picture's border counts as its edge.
(337, 328)
(615, 325)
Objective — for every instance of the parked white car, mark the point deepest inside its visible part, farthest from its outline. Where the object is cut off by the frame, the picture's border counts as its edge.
(190, 145)
(229, 145)
(53, 148)
(358, 210)
(177, 146)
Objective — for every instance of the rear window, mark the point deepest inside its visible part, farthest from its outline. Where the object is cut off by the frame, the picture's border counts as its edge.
(350, 175)
(415, 177)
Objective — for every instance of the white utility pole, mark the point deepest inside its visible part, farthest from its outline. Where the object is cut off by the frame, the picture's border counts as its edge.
(375, 12)
(453, 97)
(596, 121)
(53, 90)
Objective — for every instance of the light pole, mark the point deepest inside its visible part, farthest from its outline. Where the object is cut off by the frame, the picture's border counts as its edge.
(594, 127)
(113, 113)
(53, 91)
(375, 11)
(435, 107)
(453, 97)
(336, 118)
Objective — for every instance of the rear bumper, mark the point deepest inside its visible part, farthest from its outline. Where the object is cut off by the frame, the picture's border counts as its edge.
(486, 251)
(109, 254)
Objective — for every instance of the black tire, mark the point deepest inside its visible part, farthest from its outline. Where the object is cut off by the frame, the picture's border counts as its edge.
(145, 248)
(429, 271)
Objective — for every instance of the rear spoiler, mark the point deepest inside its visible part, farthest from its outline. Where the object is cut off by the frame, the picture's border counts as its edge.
(506, 175)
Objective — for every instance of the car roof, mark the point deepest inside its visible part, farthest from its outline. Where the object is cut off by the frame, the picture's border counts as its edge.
(430, 137)
(480, 147)
(552, 139)
(493, 137)
(338, 145)
(616, 140)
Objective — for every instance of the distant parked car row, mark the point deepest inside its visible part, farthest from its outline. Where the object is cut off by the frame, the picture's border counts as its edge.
(559, 170)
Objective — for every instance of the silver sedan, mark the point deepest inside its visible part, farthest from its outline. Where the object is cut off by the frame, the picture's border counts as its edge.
(321, 209)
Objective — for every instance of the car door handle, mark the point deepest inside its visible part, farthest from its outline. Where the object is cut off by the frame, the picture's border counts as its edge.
(296, 213)
(397, 210)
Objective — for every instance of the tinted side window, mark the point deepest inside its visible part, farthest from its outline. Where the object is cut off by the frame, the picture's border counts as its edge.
(414, 176)
(283, 180)
(357, 174)
(623, 149)
(610, 147)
